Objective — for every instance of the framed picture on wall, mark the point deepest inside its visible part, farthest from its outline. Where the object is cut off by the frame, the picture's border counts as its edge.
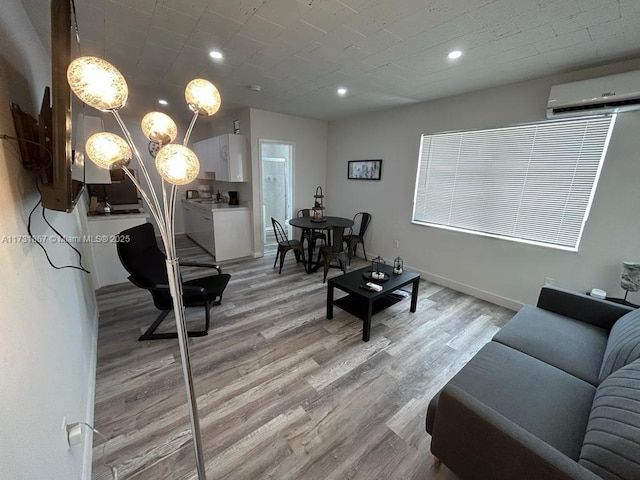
(365, 169)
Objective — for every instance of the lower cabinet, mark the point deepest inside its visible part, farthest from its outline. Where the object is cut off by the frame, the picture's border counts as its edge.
(198, 225)
(232, 232)
(103, 235)
(223, 232)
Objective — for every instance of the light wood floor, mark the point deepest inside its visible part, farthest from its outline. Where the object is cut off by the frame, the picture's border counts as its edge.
(283, 393)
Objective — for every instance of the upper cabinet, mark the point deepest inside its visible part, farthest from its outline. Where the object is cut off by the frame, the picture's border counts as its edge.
(226, 155)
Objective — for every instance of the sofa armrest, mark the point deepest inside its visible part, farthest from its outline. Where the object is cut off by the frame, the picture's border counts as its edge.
(581, 307)
(476, 442)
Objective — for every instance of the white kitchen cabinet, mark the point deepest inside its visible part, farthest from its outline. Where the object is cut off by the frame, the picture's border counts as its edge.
(102, 235)
(226, 155)
(222, 230)
(198, 225)
(232, 232)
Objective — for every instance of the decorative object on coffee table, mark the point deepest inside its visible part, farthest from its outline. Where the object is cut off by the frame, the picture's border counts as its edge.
(398, 264)
(377, 268)
(318, 205)
(630, 278)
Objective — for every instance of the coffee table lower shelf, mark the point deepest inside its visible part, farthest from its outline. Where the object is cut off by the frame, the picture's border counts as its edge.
(355, 306)
(363, 304)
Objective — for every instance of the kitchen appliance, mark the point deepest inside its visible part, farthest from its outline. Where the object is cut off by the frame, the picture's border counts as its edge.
(233, 198)
(204, 190)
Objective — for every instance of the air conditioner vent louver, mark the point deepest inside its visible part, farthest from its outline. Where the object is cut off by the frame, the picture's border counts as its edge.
(602, 106)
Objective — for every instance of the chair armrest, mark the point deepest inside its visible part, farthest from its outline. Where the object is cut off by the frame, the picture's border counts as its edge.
(578, 306)
(202, 265)
(148, 286)
(476, 442)
(194, 289)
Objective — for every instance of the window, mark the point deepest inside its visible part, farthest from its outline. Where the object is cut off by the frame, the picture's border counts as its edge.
(531, 183)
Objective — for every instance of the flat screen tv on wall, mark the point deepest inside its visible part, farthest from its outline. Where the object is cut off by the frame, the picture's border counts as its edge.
(55, 147)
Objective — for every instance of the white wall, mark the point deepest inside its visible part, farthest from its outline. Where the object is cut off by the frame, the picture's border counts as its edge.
(48, 317)
(501, 271)
(310, 159)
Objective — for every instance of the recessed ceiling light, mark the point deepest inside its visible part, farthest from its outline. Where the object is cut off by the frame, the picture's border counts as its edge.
(255, 88)
(215, 54)
(342, 91)
(455, 54)
(163, 102)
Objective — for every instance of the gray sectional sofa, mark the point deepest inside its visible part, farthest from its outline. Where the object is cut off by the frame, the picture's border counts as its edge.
(554, 395)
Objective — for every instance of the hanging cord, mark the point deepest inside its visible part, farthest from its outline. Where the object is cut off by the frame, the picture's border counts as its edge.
(35, 239)
(31, 236)
(20, 139)
(114, 470)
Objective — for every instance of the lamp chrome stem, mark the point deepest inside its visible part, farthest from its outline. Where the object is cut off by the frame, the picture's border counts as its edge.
(143, 168)
(190, 129)
(156, 215)
(175, 286)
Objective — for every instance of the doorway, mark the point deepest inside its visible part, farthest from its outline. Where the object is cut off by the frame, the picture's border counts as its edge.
(276, 159)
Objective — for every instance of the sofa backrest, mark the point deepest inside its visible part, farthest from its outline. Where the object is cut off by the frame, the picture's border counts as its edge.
(623, 345)
(611, 447)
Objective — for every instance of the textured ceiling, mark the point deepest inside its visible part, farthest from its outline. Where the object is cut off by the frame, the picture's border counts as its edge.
(385, 52)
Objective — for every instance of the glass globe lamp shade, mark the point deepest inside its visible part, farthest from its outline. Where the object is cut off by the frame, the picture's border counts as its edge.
(108, 151)
(97, 83)
(202, 97)
(177, 164)
(159, 128)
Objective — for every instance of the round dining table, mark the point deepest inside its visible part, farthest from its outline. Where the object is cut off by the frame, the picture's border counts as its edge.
(307, 223)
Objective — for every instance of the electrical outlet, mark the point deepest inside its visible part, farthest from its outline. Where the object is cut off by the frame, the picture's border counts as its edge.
(74, 433)
(396, 244)
(549, 281)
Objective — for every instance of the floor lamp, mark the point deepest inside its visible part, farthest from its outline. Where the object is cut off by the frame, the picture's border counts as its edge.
(100, 85)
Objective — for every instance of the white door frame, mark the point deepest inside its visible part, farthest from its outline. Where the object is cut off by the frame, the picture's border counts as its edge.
(289, 206)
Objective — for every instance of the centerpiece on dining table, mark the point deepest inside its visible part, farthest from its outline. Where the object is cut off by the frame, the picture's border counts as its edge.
(318, 206)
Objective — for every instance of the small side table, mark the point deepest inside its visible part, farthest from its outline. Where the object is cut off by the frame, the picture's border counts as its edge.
(620, 301)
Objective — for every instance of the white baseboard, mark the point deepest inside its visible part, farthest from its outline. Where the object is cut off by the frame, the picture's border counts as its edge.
(87, 444)
(462, 287)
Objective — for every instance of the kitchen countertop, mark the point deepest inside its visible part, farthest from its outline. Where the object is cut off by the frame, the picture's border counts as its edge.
(210, 205)
(116, 216)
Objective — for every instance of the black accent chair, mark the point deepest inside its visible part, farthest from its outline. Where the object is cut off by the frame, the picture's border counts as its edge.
(284, 244)
(352, 239)
(336, 250)
(142, 258)
(315, 235)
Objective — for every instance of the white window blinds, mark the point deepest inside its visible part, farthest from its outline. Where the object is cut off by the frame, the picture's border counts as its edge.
(531, 183)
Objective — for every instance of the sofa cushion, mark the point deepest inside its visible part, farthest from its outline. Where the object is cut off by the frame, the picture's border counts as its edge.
(612, 443)
(623, 346)
(570, 345)
(549, 403)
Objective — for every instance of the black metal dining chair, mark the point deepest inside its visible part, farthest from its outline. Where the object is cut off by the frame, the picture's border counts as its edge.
(361, 220)
(284, 244)
(315, 234)
(140, 256)
(337, 250)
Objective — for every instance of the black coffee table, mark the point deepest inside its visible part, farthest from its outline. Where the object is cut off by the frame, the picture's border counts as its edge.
(364, 303)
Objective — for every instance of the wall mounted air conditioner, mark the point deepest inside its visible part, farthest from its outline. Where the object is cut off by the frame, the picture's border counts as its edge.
(610, 94)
